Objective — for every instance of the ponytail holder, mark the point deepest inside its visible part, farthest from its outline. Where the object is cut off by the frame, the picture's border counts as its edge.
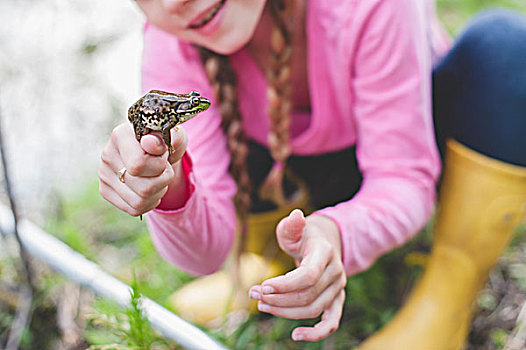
(272, 188)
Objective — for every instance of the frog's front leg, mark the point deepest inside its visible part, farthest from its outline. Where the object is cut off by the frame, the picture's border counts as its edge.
(168, 139)
(134, 117)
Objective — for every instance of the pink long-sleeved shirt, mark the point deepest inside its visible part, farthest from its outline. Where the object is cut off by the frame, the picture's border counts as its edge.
(369, 71)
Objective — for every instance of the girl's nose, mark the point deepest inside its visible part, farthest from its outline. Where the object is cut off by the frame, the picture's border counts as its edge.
(174, 6)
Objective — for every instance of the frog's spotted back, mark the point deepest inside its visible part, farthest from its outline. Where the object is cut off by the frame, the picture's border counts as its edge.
(160, 111)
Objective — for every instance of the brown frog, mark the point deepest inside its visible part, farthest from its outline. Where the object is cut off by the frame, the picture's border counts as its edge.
(161, 111)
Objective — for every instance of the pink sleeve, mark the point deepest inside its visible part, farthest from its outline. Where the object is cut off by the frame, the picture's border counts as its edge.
(396, 152)
(196, 237)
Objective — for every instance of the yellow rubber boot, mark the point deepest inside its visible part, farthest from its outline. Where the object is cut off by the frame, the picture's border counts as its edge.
(482, 201)
(209, 301)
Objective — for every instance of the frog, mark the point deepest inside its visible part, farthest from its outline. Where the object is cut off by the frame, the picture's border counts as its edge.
(161, 111)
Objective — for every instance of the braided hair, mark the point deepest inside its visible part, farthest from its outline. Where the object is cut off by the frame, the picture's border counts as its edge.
(279, 98)
(222, 77)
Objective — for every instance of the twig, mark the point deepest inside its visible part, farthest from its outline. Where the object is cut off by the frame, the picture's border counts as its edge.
(12, 203)
(22, 318)
(23, 313)
(517, 341)
(67, 311)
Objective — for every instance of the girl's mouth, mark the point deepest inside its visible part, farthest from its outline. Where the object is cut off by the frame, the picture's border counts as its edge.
(207, 16)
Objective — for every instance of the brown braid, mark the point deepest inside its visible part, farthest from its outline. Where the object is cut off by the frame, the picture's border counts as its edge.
(278, 76)
(222, 78)
(279, 98)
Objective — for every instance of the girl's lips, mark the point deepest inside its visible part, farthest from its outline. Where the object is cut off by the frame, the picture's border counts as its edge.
(206, 16)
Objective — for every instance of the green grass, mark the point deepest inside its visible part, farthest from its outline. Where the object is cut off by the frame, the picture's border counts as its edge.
(124, 330)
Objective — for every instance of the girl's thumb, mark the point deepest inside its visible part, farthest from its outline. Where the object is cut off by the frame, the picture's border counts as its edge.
(153, 144)
(290, 229)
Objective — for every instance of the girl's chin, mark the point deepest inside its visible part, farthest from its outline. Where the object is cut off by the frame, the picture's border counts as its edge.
(226, 46)
(226, 49)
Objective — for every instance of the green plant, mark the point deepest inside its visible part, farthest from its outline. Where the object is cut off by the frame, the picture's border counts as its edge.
(128, 329)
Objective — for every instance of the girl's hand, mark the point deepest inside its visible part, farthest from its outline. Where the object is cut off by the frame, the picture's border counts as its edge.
(149, 171)
(316, 286)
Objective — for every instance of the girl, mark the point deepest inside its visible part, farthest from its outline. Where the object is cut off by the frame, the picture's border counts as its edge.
(319, 105)
(350, 80)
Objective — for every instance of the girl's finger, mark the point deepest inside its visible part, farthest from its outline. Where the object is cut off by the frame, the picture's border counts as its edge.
(328, 324)
(290, 229)
(316, 258)
(111, 196)
(307, 296)
(289, 233)
(153, 144)
(148, 187)
(131, 198)
(313, 310)
(179, 143)
(131, 154)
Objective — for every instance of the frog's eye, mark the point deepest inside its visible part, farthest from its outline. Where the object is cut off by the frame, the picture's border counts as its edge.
(195, 101)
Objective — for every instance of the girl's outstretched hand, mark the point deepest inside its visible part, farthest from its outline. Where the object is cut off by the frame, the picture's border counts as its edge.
(316, 286)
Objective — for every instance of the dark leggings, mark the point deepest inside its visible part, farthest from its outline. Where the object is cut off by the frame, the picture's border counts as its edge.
(479, 87)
